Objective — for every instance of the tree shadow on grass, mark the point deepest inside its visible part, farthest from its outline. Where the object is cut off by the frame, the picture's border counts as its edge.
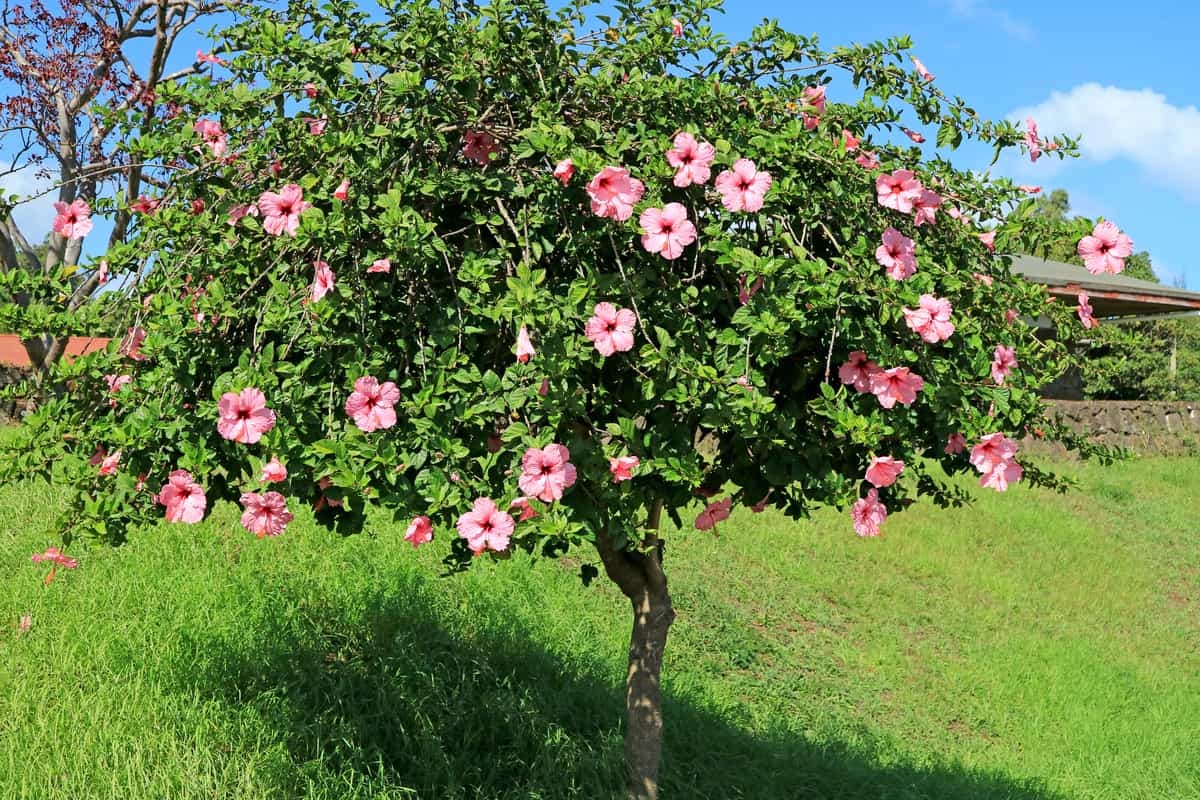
(377, 698)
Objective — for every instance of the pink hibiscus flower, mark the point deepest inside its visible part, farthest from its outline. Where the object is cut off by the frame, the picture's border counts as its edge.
(668, 230)
(1085, 311)
(342, 192)
(211, 134)
(884, 470)
(622, 467)
(72, 221)
(849, 141)
(1105, 250)
(323, 278)
(244, 416)
(547, 472)
(925, 207)
(994, 458)
(371, 404)
(108, 464)
(183, 497)
(479, 146)
(1000, 477)
(97, 456)
(897, 254)
(132, 343)
(692, 160)
(564, 170)
(241, 210)
(525, 349)
(989, 240)
(522, 504)
(857, 371)
(713, 513)
(265, 514)
(814, 96)
(281, 212)
(676, 28)
(1030, 189)
(613, 193)
(986, 280)
(917, 137)
(115, 382)
(55, 557)
(310, 91)
(380, 265)
(316, 127)
(485, 527)
(868, 514)
(898, 384)
(144, 205)
(931, 320)
(203, 57)
(867, 160)
(610, 329)
(325, 500)
(274, 471)
(955, 444)
(898, 191)
(1031, 140)
(419, 532)
(102, 272)
(743, 187)
(925, 74)
(1004, 361)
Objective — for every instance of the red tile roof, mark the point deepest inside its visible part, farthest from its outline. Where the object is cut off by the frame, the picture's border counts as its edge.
(12, 352)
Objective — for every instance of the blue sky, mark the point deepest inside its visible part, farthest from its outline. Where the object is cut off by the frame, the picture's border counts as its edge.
(1121, 75)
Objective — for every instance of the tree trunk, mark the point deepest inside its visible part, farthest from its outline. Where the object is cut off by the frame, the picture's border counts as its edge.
(652, 617)
(640, 576)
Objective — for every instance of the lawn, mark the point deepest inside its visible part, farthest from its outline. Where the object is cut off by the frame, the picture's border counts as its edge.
(1032, 646)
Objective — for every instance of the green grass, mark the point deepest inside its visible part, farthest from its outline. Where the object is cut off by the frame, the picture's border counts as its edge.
(1030, 647)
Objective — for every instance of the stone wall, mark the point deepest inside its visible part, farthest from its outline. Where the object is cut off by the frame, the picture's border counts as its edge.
(1148, 428)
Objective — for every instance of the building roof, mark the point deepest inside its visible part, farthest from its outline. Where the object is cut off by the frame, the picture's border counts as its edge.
(12, 352)
(1109, 295)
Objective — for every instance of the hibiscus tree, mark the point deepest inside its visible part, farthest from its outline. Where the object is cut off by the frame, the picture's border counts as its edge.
(512, 280)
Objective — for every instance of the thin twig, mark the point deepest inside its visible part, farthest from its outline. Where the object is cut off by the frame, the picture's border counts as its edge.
(833, 336)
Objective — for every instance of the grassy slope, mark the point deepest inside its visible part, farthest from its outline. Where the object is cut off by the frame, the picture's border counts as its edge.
(1032, 646)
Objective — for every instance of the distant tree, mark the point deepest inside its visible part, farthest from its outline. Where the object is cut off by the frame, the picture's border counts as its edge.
(1053, 206)
(1143, 361)
(73, 68)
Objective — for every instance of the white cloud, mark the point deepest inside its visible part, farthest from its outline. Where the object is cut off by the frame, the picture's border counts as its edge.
(977, 9)
(1139, 126)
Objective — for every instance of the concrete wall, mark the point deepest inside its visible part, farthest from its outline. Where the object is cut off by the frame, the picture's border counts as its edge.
(1148, 428)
